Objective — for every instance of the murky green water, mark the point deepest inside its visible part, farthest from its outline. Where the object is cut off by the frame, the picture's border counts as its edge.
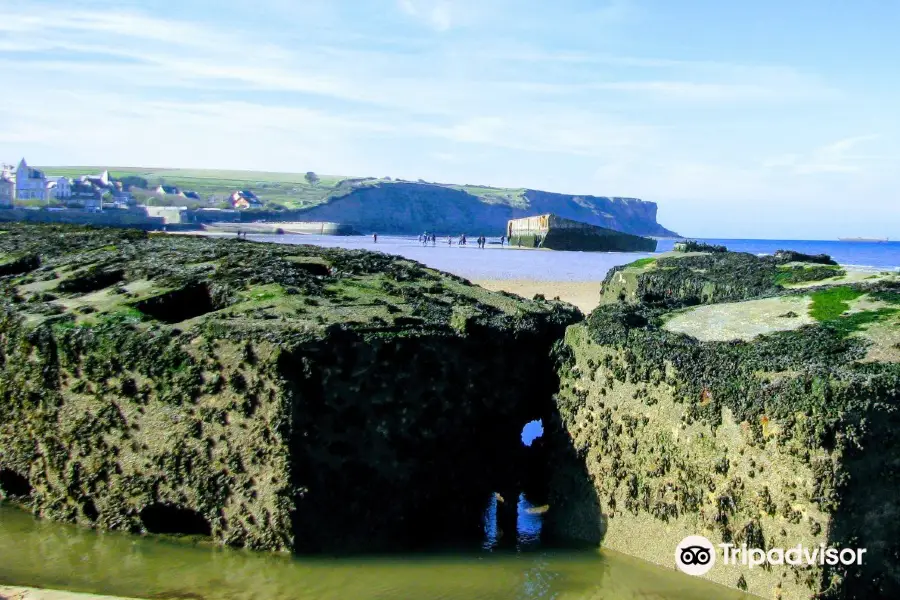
(44, 554)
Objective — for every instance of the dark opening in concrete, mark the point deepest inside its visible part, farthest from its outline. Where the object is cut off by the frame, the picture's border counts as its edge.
(14, 485)
(166, 518)
(89, 510)
(91, 280)
(179, 305)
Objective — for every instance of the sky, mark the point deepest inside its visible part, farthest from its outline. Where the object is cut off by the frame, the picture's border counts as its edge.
(763, 119)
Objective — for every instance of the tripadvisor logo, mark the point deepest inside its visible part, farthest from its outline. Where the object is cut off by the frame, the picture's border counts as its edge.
(696, 555)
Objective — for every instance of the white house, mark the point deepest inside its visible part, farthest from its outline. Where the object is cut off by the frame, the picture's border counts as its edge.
(62, 188)
(168, 190)
(7, 187)
(31, 184)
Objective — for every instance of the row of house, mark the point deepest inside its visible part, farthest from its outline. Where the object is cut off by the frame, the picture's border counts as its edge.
(87, 191)
(240, 199)
(91, 192)
(172, 190)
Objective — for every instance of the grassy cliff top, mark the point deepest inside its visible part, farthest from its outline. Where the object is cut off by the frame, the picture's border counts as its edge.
(72, 276)
(290, 190)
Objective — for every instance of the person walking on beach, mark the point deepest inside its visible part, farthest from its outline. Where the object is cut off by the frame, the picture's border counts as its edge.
(449, 240)
(502, 240)
(375, 237)
(433, 240)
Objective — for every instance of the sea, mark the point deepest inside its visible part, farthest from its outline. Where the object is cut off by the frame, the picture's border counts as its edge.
(496, 262)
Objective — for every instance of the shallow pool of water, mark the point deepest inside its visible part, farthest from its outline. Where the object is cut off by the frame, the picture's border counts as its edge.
(45, 554)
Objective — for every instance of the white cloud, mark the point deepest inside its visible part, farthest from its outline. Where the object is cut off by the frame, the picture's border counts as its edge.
(435, 13)
(834, 157)
(572, 132)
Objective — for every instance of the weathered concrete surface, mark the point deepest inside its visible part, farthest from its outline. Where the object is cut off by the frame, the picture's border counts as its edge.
(742, 320)
(689, 278)
(274, 397)
(787, 438)
(553, 232)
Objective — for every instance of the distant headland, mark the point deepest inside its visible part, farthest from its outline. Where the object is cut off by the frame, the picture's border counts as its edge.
(382, 204)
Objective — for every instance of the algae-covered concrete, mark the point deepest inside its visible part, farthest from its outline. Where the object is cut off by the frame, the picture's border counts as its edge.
(273, 397)
(765, 436)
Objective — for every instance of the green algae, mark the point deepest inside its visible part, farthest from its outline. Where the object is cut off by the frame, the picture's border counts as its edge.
(641, 263)
(793, 274)
(831, 303)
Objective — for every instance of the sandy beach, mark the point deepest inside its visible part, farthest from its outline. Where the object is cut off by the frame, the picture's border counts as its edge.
(24, 593)
(583, 294)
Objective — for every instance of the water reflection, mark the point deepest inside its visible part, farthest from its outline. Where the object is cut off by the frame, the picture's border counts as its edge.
(529, 519)
(44, 554)
(528, 525)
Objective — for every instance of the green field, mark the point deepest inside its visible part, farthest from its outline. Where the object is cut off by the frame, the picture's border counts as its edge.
(288, 190)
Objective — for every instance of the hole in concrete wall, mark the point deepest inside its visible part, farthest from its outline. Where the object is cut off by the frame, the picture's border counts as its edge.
(14, 485)
(91, 281)
(166, 518)
(20, 265)
(179, 305)
(532, 431)
(89, 510)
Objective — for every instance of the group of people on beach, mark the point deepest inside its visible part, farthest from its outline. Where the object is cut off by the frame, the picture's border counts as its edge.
(430, 237)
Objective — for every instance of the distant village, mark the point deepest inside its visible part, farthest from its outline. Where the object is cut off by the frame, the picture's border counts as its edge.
(31, 187)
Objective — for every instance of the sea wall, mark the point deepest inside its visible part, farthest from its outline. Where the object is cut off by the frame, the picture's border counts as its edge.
(110, 218)
(288, 227)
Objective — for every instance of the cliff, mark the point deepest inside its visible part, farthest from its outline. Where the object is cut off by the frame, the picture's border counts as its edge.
(273, 397)
(409, 208)
(745, 399)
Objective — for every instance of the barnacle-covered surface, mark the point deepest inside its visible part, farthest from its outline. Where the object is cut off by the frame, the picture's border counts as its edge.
(689, 278)
(273, 397)
(769, 438)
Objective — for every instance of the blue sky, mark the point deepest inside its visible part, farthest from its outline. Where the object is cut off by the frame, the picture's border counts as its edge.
(740, 119)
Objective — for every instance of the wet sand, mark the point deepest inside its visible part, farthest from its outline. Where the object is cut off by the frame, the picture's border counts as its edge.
(23, 593)
(583, 294)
